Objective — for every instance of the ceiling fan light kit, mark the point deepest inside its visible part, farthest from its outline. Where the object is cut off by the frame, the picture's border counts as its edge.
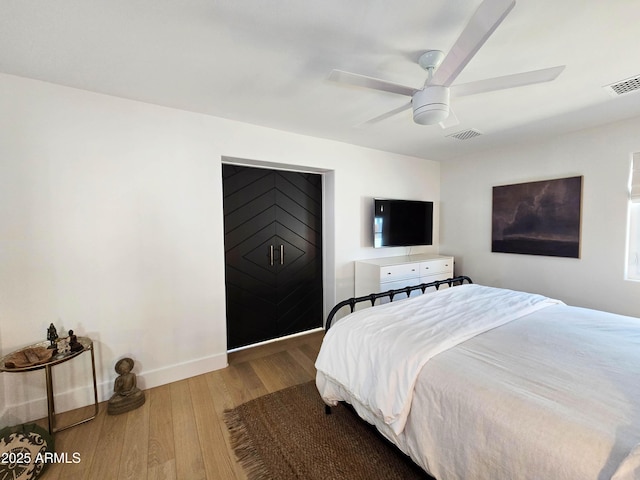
(430, 104)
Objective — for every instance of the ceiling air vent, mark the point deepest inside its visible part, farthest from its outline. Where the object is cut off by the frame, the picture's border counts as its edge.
(625, 86)
(465, 134)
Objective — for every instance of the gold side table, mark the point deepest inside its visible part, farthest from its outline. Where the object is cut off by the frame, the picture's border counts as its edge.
(87, 343)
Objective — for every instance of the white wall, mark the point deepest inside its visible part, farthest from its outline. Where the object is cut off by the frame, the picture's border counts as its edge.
(596, 280)
(111, 225)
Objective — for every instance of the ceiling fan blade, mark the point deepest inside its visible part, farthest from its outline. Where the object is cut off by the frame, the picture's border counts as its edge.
(450, 121)
(370, 82)
(484, 21)
(386, 115)
(507, 81)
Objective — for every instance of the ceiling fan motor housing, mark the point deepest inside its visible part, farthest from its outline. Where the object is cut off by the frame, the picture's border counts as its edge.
(430, 105)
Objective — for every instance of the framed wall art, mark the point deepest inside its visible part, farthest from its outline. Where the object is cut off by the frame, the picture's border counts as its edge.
(538, 218)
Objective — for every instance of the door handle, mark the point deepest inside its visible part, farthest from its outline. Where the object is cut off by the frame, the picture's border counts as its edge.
(271, 255)
(281, 254)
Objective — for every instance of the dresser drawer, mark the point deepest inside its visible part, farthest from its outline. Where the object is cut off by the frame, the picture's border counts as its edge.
(385, 287)
(383, 274)
(433, 278)
(436, 266)
(393, 273)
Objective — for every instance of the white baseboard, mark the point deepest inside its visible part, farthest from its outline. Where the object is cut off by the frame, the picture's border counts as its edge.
(174, 373)
(35, 409)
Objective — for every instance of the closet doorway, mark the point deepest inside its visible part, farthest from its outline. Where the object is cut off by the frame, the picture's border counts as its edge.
(273, 253)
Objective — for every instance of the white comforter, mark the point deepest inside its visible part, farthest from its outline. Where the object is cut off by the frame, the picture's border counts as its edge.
(553, 395)
(413, 331)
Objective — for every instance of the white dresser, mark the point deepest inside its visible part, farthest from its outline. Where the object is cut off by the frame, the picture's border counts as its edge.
(383, 274)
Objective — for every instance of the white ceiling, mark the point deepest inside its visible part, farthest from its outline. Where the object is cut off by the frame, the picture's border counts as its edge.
(267, 62)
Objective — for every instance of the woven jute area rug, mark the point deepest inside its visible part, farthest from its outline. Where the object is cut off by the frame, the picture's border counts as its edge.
(286, 435)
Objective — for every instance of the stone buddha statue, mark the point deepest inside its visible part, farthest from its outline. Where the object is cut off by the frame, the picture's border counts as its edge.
(126, 395)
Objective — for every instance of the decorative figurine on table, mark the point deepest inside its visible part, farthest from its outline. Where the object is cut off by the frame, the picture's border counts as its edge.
(126, 395)
(52, 336)
(62, 347)
(74, 344)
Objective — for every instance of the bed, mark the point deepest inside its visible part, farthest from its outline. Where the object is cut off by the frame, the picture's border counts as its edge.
(475, 382)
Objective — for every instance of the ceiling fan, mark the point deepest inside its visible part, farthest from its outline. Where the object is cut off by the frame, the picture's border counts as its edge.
(430, 103)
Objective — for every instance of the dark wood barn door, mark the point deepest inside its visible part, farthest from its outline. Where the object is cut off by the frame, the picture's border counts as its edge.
(273, 253)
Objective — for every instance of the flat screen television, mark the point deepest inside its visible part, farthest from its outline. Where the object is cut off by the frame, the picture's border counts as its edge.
(402, 223)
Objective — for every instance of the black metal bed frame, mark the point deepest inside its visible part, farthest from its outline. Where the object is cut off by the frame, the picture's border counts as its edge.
(351, 302)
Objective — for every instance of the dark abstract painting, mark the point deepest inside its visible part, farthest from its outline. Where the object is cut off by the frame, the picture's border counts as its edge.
(538, 218)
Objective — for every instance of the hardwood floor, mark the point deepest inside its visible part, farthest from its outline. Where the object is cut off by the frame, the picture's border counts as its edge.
(179, 432)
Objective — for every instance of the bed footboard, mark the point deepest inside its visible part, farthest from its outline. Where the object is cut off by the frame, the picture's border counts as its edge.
(351, 302)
